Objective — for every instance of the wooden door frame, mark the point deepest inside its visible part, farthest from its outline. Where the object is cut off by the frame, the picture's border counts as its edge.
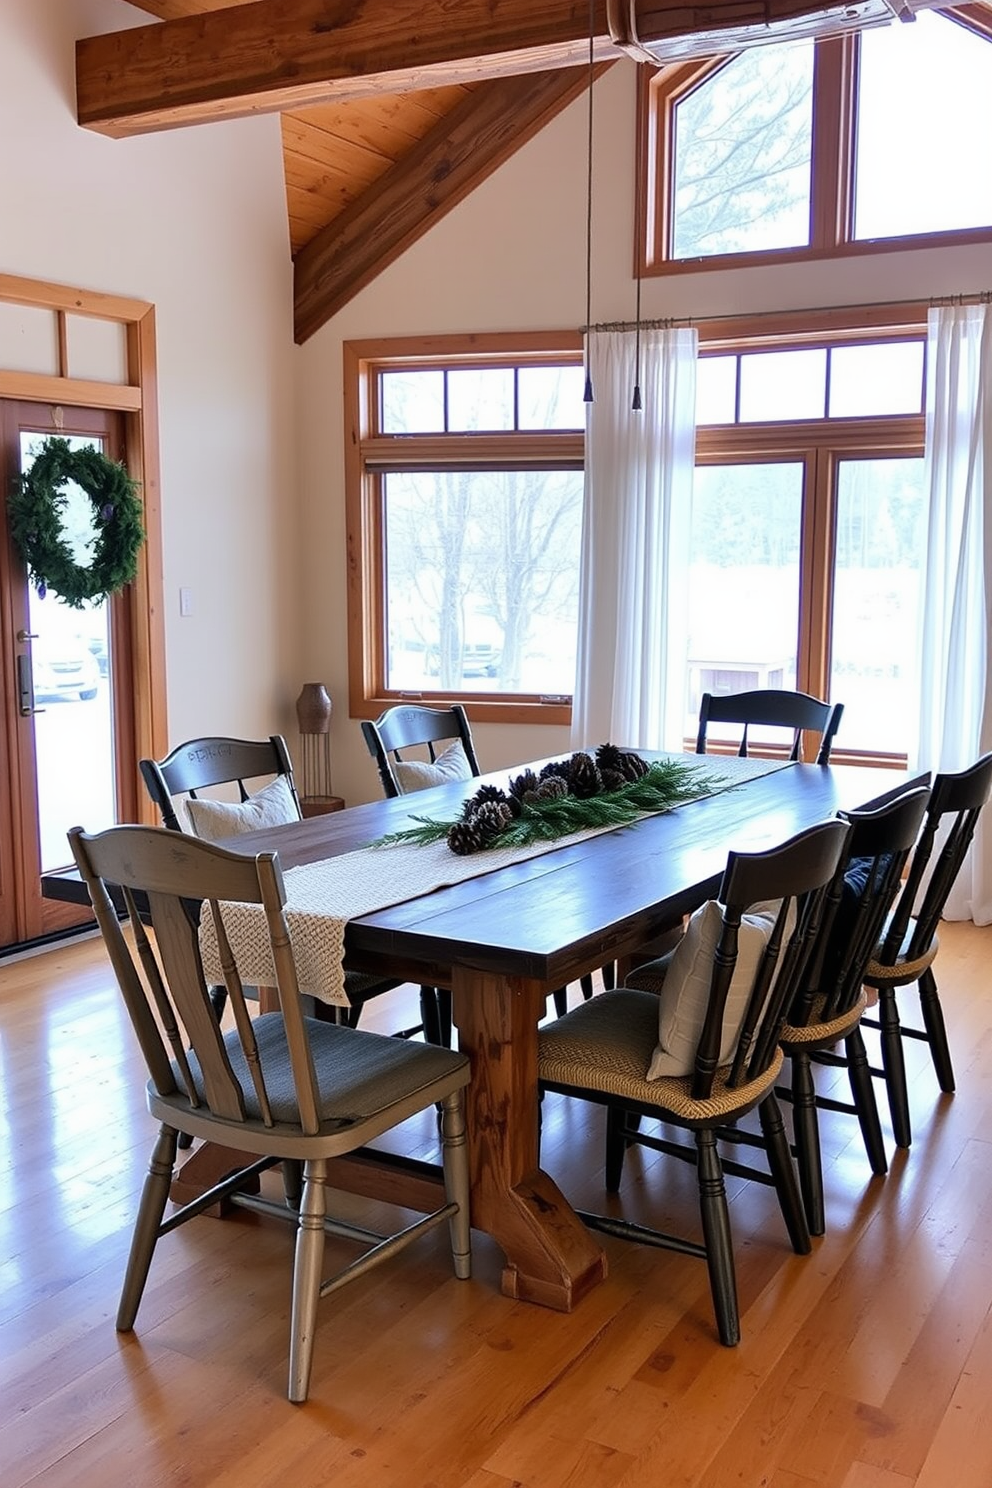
(137, 400)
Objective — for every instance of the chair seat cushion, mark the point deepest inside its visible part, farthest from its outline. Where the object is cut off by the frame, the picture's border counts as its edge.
(605, 1044)
(682, 982)
(358, 1074)
(272, 806)
(818, 1030)
(451, 764)
(901, 970)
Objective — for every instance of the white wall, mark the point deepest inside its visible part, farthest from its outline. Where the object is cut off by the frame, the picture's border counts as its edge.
(193, 220)
(512, 257)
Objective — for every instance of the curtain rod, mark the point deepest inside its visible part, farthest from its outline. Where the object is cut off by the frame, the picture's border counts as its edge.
(665, 323)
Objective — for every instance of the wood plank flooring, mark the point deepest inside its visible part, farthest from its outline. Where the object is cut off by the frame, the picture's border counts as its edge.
(865, 1365)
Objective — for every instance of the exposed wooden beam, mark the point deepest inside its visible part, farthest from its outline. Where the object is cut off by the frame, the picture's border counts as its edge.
(281, 54)
(450, 161)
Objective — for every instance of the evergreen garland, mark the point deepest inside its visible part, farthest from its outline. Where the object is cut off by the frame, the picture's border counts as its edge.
(35, 511)
(562, 801)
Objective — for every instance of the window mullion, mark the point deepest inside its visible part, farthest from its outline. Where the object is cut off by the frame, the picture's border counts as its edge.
(829, 210)
(816, 598)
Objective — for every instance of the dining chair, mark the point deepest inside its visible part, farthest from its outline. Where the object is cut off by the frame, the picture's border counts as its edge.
(770, 707)
(827, 1011)
(707, 1052)
(274, 1088)
(908, 947)
(446, 735)
(201, 764)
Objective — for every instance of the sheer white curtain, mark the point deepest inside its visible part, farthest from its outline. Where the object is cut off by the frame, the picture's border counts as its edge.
(632, 642)
(955, 710)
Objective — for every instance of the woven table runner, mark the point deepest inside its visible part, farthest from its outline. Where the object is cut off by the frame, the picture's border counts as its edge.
(322, 897)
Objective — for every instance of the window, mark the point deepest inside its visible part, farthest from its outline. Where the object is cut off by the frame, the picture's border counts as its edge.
(465, 496)
(808, 522)
(814, 149)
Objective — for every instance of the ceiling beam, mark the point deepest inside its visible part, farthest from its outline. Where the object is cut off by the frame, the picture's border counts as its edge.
(456, 155)
(287, 54)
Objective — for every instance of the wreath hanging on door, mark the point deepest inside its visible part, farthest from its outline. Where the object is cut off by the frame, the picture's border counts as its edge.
(35, 513)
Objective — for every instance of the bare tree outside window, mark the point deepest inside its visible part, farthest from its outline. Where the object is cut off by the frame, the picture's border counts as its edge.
(743, 151)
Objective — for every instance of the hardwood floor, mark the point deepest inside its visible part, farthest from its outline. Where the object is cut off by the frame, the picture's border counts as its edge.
(865, 1365)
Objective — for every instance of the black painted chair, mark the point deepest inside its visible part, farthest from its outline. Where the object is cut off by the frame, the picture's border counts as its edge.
(770, 707)
(907, 949)
(731, 1058)
(392, 740)
(828, 1011)
(201, 764)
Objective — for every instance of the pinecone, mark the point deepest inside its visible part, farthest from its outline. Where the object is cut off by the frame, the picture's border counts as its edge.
(556, 767)
(521, 784)
(464, 837)
(551, 789)
(492, 818)
(632, 765)
(609, 757)
(484, 794)
(613, 780)
(583, 776)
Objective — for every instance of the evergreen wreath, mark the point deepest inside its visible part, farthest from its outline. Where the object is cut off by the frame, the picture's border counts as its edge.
(35, 512)
(570, 795)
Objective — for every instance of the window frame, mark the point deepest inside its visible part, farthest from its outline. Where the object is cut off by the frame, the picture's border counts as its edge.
(369, 454)
(835, 79)
(820, 445)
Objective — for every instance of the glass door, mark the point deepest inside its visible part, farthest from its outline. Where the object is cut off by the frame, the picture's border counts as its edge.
(66, 743)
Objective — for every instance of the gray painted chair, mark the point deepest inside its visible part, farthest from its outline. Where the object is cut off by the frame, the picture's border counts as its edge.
(275, 1088)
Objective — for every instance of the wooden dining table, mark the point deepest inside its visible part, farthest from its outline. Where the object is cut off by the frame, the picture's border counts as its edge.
(505, 939)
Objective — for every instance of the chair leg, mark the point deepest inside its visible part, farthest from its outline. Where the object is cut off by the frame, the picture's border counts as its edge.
(154, 1197)
(444, 1014)
(586, 984)
(894, 1064)
(717, 1237)
(429, 1016)
(784, 1173)
(616, 1146)
(292, 1181)
(609, 975)
(561, 1001)
(933, 1022)
(863, 1094)
(456, 1181)
(807, 1141)
(306, 1277)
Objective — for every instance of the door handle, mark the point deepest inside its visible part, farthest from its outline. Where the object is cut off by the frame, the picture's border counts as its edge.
(27, 635)
(25, 686)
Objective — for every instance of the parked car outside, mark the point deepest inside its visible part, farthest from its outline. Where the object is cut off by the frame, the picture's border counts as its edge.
(63, 668)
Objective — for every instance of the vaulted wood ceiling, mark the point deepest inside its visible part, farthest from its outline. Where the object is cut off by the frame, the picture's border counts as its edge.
(366, 175)
(392, 111)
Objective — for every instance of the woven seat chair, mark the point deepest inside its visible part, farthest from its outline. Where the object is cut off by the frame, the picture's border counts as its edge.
(907, 949)
(604, 1050)
(446, 735)
(275, 1088)
(770, 707)
(828, 1011)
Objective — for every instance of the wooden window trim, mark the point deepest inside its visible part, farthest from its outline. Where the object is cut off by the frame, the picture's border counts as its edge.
(136, 398)
(832, 165)
(368, 454)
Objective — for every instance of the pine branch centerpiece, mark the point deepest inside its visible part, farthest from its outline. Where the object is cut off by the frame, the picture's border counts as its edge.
(577, 794)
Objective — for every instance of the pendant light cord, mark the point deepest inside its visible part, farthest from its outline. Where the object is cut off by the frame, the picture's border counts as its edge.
(587, 396)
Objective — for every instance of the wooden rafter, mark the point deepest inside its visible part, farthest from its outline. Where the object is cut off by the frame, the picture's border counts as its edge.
(456, 155)
(273, 55)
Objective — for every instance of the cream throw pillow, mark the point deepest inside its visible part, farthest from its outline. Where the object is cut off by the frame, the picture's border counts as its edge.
(451, 764)
(686, 989)
(272, 806)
